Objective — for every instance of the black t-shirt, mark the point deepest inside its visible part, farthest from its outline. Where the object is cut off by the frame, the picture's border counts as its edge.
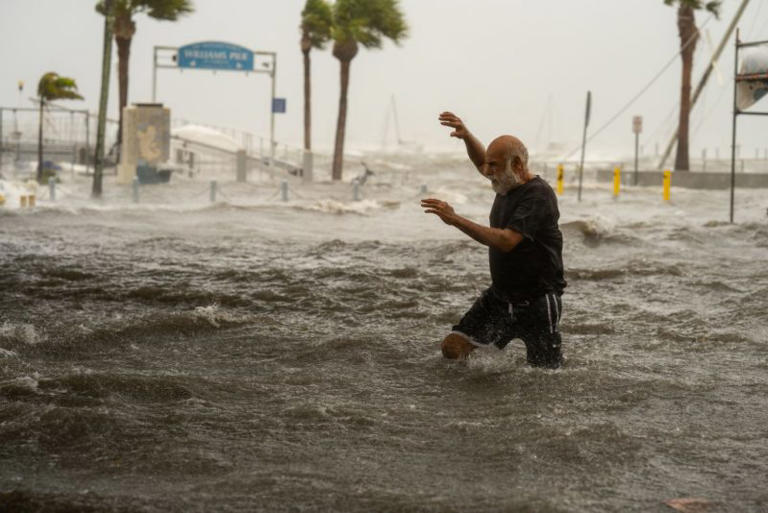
(535, 266)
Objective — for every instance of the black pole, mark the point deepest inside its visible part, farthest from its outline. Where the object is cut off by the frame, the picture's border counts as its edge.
(584, 140)
(733, 131)
(98, 160)
(40, 143)
(637, 144)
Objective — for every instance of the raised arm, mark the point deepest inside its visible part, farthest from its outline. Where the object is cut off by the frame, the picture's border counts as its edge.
(475, 148)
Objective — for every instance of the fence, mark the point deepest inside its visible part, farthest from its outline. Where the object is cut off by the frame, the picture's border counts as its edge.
(69, 135)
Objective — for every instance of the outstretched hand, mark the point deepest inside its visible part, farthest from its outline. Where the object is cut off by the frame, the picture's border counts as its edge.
(440, 208)
(452, 120)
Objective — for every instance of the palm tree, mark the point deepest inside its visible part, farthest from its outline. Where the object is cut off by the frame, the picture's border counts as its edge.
(359, 22)
(125, 28)
(316, 19)
(689, 35)
(52, 87)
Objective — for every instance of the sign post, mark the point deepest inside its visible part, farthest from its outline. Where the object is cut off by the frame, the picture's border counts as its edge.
(218, 56)
(637, 128)
(584, 140)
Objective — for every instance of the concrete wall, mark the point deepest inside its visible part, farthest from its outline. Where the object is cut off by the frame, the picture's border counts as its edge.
(146, 138)
(687, 179)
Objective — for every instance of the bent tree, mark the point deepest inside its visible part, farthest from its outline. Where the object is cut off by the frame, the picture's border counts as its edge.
(51, 87)
(366, 23)
(689, 35)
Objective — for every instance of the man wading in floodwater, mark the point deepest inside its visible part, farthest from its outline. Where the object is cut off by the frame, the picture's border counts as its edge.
(525, 249)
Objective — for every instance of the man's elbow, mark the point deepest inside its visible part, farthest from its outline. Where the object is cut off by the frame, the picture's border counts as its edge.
(510, 241)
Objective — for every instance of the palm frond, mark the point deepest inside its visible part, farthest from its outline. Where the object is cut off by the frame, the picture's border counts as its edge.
(54, 87)
(120, 7)
(166, 10)
(369, 21)
(316, 22)
(712, 6)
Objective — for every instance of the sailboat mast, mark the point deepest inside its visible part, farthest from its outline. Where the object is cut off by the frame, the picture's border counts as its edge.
(397, 121)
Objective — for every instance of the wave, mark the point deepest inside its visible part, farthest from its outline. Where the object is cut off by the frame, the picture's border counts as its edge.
(22, 338)
(174, 296)
(594, 274)
(21, 333)
(91, 389)
(596, 231)
(633, 268)
(362, 207)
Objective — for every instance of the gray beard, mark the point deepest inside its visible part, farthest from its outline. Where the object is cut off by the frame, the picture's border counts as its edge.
(510, 181)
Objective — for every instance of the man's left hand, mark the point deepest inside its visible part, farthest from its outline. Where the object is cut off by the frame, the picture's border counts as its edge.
(440, 208)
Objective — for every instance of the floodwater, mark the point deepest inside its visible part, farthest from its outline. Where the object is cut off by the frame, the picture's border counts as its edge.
(260, 355)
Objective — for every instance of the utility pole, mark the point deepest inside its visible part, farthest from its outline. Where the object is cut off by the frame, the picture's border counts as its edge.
(109, 17)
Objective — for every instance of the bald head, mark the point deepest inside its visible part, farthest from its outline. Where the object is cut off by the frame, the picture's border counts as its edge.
(506, 164)
(509, 148)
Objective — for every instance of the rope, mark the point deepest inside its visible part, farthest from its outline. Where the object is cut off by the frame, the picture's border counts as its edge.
(666, 124)
(203, 192)
(226, 198)
(642, 91)
(709, 111)
(296, 193)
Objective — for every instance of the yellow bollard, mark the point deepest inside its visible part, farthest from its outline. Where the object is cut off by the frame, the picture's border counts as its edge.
(667, 183)
(23, 201)
(31, 200)
(2, 200)
(616, 182)
(560, 176)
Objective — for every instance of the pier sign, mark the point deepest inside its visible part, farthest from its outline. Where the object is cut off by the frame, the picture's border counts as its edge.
(215, 55)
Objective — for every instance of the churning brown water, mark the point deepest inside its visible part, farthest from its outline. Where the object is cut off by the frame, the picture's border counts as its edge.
(259, 355)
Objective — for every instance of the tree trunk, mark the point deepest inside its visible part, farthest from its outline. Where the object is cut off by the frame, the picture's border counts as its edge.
(338, 151)
(123, 56)
(106, 65)
(40, 144)
(686, 25)
(307, 102)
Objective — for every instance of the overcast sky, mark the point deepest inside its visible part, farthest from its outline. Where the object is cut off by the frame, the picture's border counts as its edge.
(505, 66)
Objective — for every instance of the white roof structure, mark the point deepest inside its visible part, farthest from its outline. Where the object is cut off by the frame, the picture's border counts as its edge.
(207, 136)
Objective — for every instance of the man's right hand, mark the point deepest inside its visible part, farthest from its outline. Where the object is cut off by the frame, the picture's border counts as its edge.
(452, 120)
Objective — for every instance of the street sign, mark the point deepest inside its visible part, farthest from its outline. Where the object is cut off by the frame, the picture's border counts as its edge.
(278, 105)
(752, 81)
(637, 124)
(215, 55)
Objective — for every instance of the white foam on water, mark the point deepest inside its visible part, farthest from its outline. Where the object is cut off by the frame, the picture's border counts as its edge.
(213, 315)
(29, 382)
(22, 332)
(450, 195)
(337, 207)
(84, 329)
(7, 353)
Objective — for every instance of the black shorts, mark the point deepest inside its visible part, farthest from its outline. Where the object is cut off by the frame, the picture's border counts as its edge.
(494, 321)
